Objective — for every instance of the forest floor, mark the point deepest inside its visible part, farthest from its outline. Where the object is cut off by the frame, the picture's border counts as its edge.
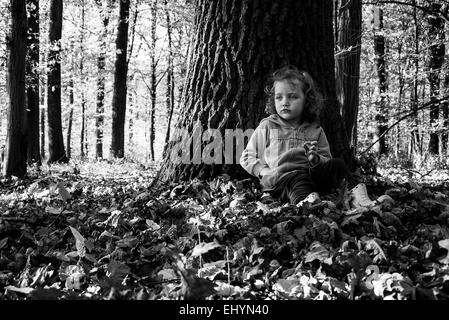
(98, 231)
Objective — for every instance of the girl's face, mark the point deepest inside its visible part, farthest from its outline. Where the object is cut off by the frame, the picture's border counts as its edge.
(289, 99)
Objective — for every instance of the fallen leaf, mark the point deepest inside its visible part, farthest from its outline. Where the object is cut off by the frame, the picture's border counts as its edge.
(153, 226)
(379, 254)
(65, 195)
(25, 290)
(203, 247)
(3, 242)
(52, 210)
(118, 270)
(80, 242)
(167, 274)
(46, 294)
(444, 244)
(316, 251)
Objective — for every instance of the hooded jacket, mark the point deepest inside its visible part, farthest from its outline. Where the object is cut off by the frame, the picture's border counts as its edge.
(278, 145)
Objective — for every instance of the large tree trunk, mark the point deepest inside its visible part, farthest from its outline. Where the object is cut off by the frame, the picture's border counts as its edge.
(348, 65)
(16, 134)
(32, 70)
(436, 59)
(381, 103)
(55, 139)
(120, 83)
(237, 44)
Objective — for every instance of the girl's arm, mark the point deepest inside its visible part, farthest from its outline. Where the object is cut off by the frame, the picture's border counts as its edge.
(252, 159)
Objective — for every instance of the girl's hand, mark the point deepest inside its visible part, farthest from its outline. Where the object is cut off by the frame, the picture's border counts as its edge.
(311, 152)
(264, 172)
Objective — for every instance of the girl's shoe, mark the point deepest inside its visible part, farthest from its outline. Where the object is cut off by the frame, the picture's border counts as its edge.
(360, 198)
(311, 199)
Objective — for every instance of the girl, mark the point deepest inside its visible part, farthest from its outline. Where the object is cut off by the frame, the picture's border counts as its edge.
(289, 151)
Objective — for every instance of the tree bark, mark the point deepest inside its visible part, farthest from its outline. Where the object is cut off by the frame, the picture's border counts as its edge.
(170, 94)
(43, 111)
(32, 70)
(416, 149)
(381, 104)
(436, 59)
(42, 132)
(16, 134)
(70, 119)
(348, 65)
(83, 135)
(105, 14)
(153, 83)
(120, 83)
(70, 88)
(55, 138)
(237, 44)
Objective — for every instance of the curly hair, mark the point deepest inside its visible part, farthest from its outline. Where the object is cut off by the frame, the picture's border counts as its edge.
(314, 99)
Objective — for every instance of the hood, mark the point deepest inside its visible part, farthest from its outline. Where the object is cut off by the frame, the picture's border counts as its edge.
(276, 119)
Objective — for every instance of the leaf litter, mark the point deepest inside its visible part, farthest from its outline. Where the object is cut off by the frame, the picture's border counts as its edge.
(73, 234)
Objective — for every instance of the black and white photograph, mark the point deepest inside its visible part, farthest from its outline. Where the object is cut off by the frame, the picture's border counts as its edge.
(224, 156)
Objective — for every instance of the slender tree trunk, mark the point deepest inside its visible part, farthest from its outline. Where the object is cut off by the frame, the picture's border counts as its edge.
(32, 70)
(70, 89)
(83, 99)
(170, 94)
(348, 65)
(120, 83)
(436, 59)
(445, 114)
(42, 131)
(55, 138)
(70, 119)
(43, 111)
(237, 44)
(16, 134)
(381, 104)
(101, 65)
(397, 141)
(131, 122)
(153, 84)
(417, 151)
(99, 120)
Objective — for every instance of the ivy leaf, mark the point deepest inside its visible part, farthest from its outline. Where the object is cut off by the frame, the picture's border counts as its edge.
(80, 242)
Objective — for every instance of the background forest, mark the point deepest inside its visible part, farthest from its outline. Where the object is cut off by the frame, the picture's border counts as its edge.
(402, 66)
(93, 93)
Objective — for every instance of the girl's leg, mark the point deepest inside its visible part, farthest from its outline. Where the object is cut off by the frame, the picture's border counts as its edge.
(330, 175)
(295, 187)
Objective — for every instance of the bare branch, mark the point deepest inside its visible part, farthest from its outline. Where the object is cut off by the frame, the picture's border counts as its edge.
(428, 104)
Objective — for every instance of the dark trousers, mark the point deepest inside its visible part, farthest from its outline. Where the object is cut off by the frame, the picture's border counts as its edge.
(322, 179)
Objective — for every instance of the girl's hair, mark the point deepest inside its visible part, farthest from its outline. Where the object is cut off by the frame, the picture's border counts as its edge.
(314, 100)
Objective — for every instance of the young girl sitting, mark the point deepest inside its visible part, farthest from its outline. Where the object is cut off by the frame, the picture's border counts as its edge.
(289, 151)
